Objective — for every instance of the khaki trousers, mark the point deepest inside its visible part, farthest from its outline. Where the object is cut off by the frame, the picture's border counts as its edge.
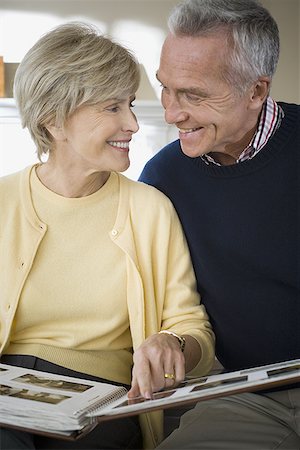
(241, 422)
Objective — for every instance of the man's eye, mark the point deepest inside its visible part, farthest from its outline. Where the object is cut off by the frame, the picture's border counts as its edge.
(192, 97)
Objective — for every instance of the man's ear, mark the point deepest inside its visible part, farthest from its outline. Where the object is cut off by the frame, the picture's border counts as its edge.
(56, 132)
(260, 92)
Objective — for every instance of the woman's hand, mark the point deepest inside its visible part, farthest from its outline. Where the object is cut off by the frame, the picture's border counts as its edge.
(158, 363)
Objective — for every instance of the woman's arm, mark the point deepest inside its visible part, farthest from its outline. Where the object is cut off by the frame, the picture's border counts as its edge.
(172, 304)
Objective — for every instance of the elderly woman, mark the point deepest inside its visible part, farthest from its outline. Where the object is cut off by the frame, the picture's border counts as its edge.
(96, 280)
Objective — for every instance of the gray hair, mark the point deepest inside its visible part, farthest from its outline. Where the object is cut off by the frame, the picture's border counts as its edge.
(70, 66)
(251, 32)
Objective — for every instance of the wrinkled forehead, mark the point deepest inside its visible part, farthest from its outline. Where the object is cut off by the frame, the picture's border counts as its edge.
(192, 59)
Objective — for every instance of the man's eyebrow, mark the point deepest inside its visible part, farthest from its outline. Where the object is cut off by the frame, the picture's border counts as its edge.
(191, 90)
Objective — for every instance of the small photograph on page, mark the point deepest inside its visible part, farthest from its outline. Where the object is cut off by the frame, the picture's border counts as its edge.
(196, 380)
(156, 396)
(29, 378)
(283, 370)
(217, 383)
(26, 394)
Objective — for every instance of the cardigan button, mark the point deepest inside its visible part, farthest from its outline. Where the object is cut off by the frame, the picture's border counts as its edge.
(114, 232)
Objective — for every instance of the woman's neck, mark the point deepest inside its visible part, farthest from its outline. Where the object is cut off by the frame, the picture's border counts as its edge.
(70, 183)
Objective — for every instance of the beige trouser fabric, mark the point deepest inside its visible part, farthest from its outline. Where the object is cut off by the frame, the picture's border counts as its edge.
(242, 422)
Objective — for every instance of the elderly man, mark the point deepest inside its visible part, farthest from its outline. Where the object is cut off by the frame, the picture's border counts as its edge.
(233, 177)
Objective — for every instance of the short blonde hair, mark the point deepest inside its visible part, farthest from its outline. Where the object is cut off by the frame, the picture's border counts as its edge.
(70, 66)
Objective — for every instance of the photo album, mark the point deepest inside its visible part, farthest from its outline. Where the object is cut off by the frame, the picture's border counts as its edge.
(68, 408)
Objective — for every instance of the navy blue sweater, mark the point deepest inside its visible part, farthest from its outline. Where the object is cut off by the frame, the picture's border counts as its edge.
(243, 230)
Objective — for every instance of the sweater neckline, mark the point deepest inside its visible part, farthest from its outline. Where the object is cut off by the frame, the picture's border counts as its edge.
(281, 139)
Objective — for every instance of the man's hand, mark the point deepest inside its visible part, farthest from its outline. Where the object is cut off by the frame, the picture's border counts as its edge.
(156, 361)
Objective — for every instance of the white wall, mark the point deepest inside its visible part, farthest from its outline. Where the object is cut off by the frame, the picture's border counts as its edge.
(286, 83)
(141, 25)
(137, 24)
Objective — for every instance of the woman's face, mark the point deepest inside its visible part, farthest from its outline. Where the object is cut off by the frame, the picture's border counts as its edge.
(97, 137)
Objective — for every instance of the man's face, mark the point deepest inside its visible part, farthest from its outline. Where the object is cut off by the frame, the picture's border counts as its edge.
(210, 114)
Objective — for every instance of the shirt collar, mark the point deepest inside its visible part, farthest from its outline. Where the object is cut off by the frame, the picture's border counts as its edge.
(270, 120)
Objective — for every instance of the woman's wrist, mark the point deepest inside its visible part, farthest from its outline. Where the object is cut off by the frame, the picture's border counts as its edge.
(180, 339)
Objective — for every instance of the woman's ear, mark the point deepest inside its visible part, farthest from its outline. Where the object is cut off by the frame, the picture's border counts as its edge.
(260, 92)
(56, 132)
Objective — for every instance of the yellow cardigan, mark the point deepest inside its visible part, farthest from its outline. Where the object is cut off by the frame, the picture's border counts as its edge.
(161, 287)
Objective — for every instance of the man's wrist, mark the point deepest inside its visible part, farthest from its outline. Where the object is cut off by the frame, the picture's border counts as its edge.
(180, 339)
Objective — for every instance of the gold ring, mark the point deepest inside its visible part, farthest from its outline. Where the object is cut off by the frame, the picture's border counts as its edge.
(171, 376)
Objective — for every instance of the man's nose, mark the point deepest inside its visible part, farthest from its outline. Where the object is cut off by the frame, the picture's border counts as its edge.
(174, 113)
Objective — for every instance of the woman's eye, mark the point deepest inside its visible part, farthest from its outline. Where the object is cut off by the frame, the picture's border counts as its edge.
(113, 109)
